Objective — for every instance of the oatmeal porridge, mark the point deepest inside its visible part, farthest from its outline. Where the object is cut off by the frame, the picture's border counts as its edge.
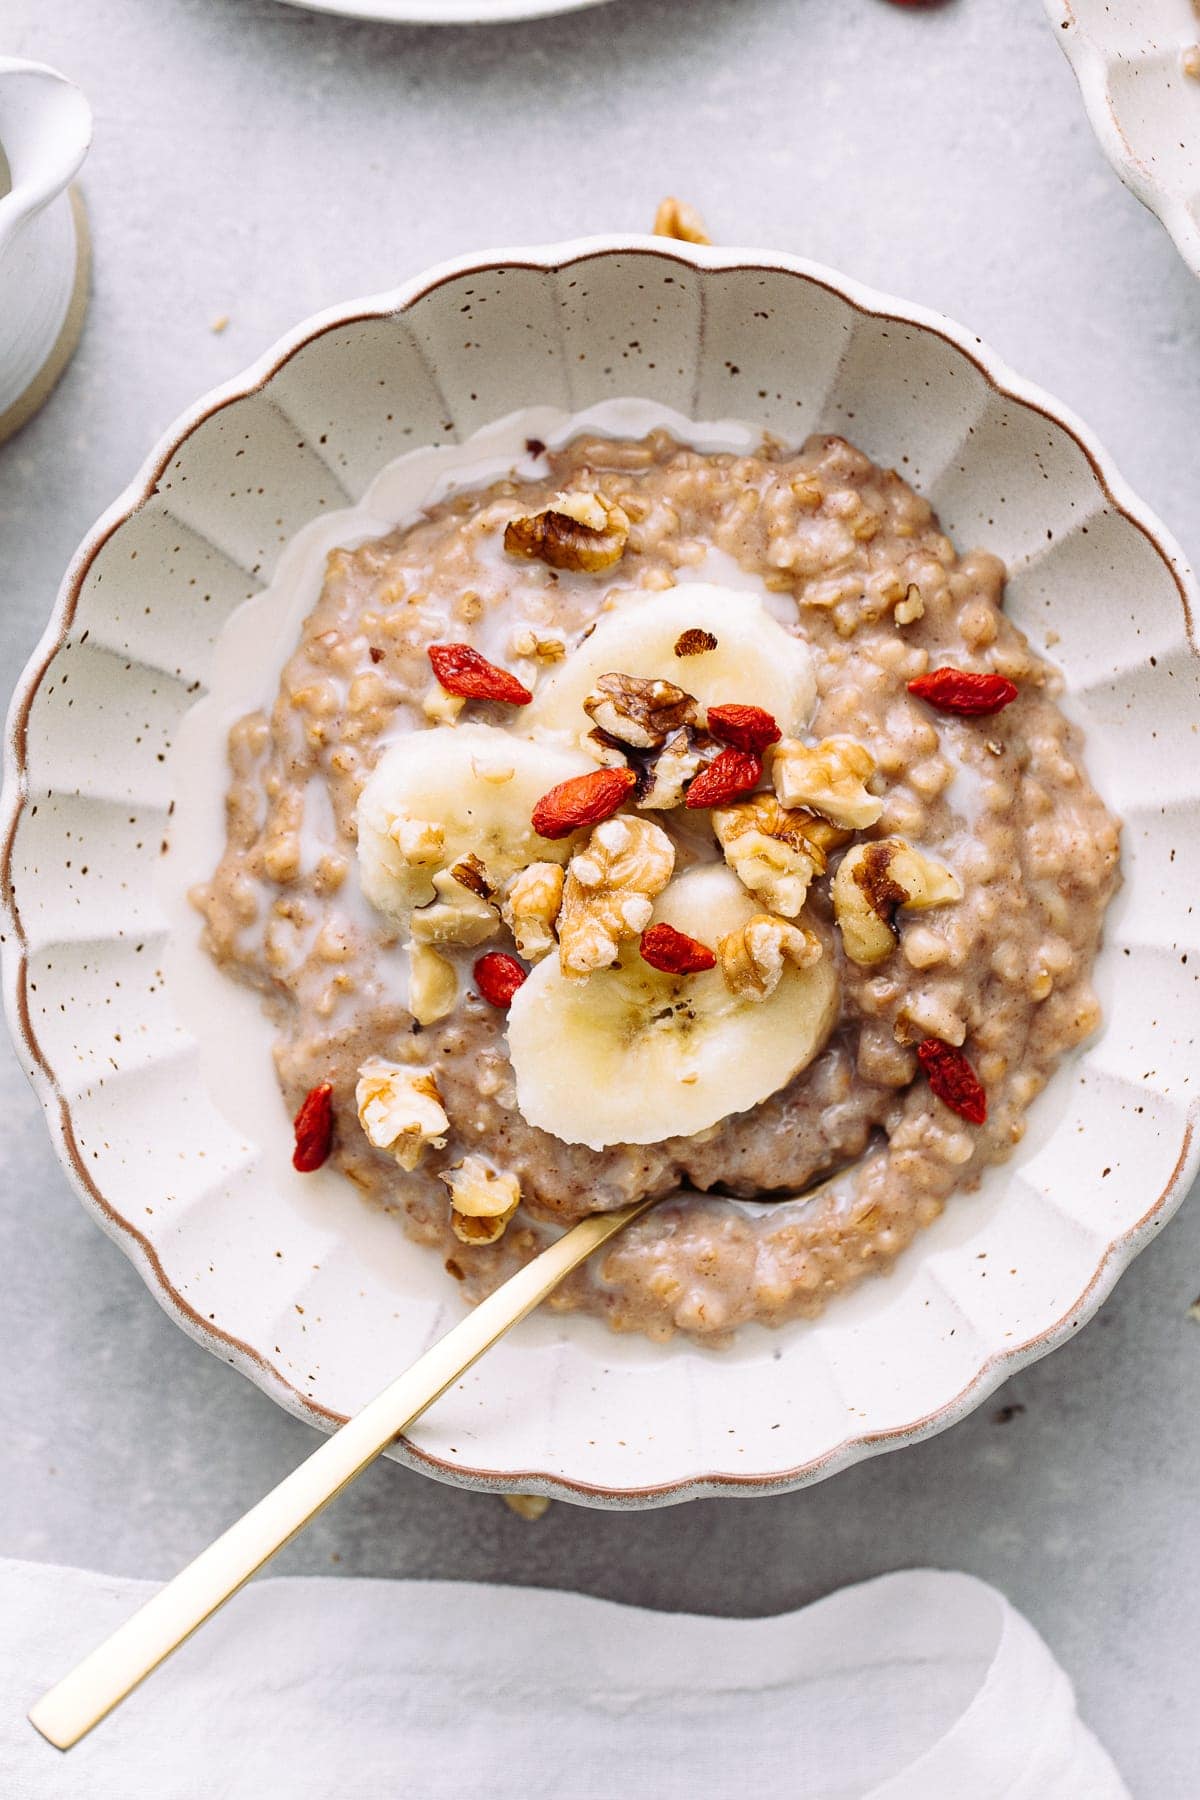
(665, 822)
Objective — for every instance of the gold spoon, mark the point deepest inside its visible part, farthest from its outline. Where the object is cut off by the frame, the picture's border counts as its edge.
(104, 1678)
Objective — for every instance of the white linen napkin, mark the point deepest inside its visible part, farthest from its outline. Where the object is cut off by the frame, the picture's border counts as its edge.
(917, 1686)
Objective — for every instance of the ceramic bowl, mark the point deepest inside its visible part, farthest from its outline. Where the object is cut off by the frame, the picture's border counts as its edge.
(1144, 109)
(445, 12)
(163, 1106)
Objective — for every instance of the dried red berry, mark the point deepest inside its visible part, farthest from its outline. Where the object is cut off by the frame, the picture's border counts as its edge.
(583, 800)
(498, 977)
(461, 670)
(674, 952)
(745, 727)
(963, 691)
(732, 773)
(313, 1126)
(953, 1080)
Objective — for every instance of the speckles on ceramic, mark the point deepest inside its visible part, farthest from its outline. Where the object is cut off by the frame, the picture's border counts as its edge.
(291, 1278)
(1144, 107)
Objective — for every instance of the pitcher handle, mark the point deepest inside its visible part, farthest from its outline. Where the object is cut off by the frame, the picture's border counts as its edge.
(45, 128)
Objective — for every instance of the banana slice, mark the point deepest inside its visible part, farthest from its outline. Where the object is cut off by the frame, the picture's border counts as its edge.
(632, 1056)
(437, 797)
(753, 662)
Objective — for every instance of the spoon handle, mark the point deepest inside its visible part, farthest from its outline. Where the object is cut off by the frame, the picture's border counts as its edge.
(103, 1679)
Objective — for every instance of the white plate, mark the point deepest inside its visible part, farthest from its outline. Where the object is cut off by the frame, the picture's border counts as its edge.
(445, 12)
(293, 1279)
(1144, 109)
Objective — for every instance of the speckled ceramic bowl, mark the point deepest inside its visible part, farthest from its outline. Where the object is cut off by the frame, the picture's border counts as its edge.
(165, 1114)
(1144, 109)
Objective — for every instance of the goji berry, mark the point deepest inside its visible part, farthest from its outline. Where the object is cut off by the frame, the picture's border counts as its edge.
(963, 691)
(498, 977)
(462, 670)
(313, 1126)
(583, 800)
(745, 727)
(674, 952)
(953, 1079)
(728, 775)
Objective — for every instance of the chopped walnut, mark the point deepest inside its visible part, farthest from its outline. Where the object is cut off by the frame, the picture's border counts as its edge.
(527, 1506)
(773, 852)
(609, 889)
(752, 959)
(695, 642)
(606, 750)
(676, 219)
(471, 874)
(482, 1200)
(530, 905)
(829, 778)
(664, 777)
(639, 712)
(456, 915)
(580, 531)
(876, 879)
(400, 1109)
(432, 984)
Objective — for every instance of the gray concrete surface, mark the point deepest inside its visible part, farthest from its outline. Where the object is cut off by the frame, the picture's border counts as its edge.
(261, 162)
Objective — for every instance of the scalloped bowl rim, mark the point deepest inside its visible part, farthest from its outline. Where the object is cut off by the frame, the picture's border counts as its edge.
(994, 1368)
(1091, 64)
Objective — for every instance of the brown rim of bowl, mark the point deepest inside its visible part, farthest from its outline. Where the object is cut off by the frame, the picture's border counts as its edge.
(552, 259)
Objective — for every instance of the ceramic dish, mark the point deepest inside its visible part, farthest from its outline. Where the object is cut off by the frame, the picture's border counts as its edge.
(1144, 109)
(445, 12)
(161, 1097)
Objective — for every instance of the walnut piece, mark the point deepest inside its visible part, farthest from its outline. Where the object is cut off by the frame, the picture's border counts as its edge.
(529, 906)
(752, 959)
(872, 882)
(527, 1506)
(773, 852)
(471, 874)
(482, 1200)
(432, 984)
(456, 915)
(639, 712)
(695, 641)
(676, 219)
(664, 777)
(400, 1109)
(608, 892)
(829, 778)
(580, 531)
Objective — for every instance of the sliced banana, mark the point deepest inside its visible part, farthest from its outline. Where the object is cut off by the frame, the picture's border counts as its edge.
(438, 797)
(754, 662)
(632, 1056)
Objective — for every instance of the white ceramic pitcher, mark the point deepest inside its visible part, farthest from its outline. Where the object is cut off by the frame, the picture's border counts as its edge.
(45, 129)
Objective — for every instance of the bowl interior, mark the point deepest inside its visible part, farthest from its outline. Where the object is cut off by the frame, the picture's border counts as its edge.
(157, 1076)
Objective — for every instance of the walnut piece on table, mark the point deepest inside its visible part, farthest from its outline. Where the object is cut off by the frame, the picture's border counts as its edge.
(676, 219)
